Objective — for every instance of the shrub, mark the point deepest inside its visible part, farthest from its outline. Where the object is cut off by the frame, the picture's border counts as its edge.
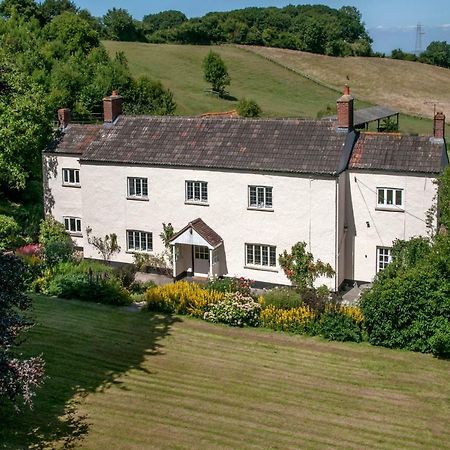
(8, 232)
(139, 287)
(295, 320)
(336, 325)
(284, 298)
(56, 252)
(242, 285)
(440, 341)
(50, 230)
(146, 262)
(87, 280)
(126, 275)
(236, 310)
(248, 108)
(182, 298)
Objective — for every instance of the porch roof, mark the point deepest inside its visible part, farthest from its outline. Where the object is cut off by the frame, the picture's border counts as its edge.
(206, 233)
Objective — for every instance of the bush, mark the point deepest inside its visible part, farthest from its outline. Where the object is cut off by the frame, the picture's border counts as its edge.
(56, 252)
(50, 230)
(339, 326)
(87, 280)
(295, 320)
(236, 310)
(138, 287)
(283, 298)
(8, 232)
(248, 108)
(242, 285)
(440, 342)
(126, 275)
(182, 298)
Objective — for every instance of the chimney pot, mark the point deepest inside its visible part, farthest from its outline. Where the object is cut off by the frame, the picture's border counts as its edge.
(63, 117)
(439, 126)
(344, 107)
(112, 107)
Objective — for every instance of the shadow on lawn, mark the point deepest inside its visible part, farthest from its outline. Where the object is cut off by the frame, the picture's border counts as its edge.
(95, 356)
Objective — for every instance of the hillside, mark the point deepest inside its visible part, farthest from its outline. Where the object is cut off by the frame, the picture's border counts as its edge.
(280, 91)
(410, 87)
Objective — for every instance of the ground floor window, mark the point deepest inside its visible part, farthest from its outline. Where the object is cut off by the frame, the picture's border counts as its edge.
(384, 257)
(260, 255)
(72, 224)
(139, 241)
(201, 252)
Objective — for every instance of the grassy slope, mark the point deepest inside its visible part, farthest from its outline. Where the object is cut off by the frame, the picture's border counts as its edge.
(407, 86)
(150, 381)
(279, 91)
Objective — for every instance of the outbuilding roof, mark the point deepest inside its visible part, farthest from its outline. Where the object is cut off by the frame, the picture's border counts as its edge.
(279, 145)
(398, 152)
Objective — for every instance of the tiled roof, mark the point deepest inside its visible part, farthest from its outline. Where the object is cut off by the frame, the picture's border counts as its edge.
(206, 232)
(396, 152)
(280, 145)
(75, 138)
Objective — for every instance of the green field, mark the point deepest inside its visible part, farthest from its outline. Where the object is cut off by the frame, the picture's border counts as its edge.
(130, 380)
(280, 91)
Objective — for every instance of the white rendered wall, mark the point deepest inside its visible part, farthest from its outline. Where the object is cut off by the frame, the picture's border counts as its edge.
(62, 200)
(369, 227)
(304, 210)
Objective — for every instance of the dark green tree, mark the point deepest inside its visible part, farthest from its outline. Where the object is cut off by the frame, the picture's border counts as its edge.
(146, 96)
(437, 53)
(215, 72)
(248, 108)
(120, 25)
(163, 20)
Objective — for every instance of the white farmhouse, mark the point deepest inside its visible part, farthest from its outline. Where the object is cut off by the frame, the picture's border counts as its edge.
(240, 191)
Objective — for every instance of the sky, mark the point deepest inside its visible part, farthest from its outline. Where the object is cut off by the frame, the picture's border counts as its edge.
(391, 23)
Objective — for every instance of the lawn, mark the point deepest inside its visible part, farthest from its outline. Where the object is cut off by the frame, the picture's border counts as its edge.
(129, 380)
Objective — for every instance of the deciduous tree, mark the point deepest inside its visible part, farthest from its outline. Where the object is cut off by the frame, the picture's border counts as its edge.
(215, 72)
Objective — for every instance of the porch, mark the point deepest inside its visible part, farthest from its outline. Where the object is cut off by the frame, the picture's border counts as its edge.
(198, 252)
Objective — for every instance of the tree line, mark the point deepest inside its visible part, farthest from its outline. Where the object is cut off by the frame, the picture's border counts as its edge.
(437, 53)
(311, 28)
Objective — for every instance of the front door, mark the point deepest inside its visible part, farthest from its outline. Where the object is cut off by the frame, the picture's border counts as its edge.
(201, 261)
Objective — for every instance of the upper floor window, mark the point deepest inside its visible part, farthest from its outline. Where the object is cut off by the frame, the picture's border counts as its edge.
(71, 177)
(139, 241)
(384, 257)
(260, 197)
(390, 198)
(72, 225)
(137, 187)
(196, 192)
(260, 255)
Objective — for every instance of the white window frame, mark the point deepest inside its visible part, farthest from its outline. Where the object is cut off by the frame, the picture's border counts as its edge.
(389, 198)
(70, 177)
(201, 252)
(137, 188)
(72, 225)
(196, 192)
(262, 256)
(384, 257)
(139, 241)
(263, 196)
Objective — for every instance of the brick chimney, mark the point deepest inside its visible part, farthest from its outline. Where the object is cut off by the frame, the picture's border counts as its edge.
(63, 117)
(439, 126)
(344, 106)
(112, 107)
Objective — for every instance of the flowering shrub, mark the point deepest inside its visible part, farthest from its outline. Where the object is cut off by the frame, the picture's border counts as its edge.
(353, 312)
(296, 320)
(236, 310)
(182, 298)
(242, 285)
(28, 250)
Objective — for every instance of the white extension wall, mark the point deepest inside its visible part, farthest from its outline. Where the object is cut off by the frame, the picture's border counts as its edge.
(304, 210)
(369, 227)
